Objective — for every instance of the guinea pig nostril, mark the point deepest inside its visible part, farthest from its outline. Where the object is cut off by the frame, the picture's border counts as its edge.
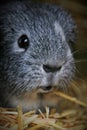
(47, 68)
(51, 68)
(47, 88)
(59, 68)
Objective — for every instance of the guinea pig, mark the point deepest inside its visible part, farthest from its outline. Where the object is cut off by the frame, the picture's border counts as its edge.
(35, 53)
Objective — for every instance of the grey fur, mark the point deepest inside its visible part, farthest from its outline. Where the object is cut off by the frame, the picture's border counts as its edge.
(21, 71)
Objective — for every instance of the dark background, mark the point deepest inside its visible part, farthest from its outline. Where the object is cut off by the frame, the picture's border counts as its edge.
(78, 9)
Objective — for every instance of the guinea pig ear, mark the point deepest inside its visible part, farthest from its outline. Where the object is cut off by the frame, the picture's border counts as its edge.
(67, 24)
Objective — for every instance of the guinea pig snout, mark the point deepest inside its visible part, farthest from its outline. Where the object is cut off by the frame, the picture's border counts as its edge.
(50, 72)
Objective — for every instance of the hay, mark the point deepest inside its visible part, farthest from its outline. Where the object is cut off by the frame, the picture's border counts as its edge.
(69, 119)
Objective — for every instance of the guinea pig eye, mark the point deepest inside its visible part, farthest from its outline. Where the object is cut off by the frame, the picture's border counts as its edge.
(23, 42)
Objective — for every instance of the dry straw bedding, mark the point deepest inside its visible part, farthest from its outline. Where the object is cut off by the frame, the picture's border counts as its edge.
(68, 119)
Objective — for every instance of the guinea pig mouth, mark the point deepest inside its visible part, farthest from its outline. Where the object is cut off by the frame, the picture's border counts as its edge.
(45, 89)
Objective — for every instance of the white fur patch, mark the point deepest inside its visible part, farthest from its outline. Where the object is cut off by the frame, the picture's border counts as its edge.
(59, 30)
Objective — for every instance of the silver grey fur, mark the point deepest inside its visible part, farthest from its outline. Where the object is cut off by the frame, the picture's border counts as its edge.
(49, 29)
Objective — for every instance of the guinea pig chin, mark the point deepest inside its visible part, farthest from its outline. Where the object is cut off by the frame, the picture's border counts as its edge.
(34, 100)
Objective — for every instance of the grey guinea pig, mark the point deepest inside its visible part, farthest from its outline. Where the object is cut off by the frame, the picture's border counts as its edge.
(35, 54)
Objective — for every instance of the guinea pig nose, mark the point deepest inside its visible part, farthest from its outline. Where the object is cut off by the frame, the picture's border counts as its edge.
(51, 68)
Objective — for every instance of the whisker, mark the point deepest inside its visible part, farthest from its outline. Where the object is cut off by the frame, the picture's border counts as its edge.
(64, 86)
(82, 60)
(80, 51)
(76, 51)
(79, 78)
(10, 94)
(78, 72)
